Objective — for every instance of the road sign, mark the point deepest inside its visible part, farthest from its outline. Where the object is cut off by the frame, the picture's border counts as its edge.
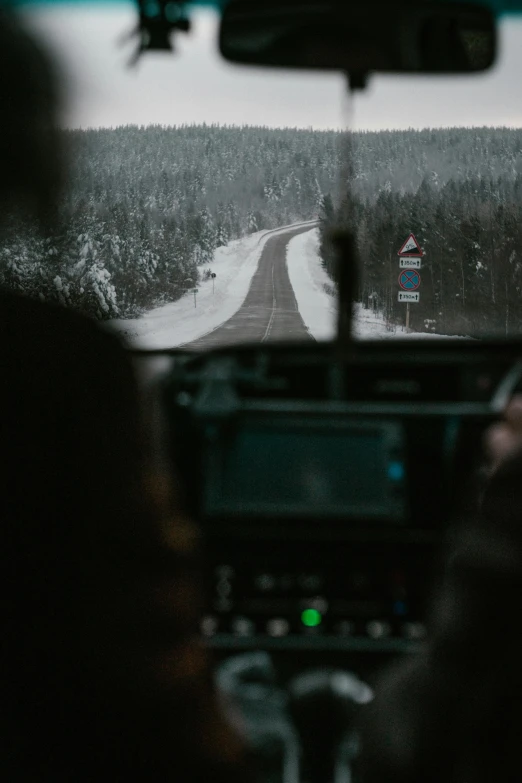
(411, 248)
(410, 263)
(409, 279)
(404, 296)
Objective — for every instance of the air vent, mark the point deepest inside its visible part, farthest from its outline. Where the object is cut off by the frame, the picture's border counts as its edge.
(401, 384)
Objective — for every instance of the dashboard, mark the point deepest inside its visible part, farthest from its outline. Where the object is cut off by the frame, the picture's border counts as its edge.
(326, 481)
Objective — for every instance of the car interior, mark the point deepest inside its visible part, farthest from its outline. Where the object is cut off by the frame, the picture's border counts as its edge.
(326, 465)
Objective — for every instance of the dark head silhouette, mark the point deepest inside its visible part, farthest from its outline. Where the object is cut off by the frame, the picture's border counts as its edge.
(102, 673)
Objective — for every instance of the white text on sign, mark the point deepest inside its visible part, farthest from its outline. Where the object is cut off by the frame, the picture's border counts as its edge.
(404, 296)
(410, 263)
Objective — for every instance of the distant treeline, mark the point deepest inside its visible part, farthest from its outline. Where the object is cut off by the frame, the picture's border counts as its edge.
(147, 206)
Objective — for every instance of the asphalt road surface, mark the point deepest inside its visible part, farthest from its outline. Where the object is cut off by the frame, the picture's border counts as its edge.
(269, 311)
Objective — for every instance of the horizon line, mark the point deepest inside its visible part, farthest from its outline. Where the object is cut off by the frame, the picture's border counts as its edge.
(308, 128)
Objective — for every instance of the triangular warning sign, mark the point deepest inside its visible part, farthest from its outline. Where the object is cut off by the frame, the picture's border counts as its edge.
(411, 248)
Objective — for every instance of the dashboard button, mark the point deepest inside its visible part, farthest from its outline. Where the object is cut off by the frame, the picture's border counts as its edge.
(243, 626)
(318, 603)
(278, 626)
(378, 629)
(400, 608)
(209, 625)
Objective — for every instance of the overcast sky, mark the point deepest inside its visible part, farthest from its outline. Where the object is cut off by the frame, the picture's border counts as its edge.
(196, 86)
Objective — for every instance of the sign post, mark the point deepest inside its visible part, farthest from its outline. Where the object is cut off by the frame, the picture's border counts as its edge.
(192, 287)
(410, 258)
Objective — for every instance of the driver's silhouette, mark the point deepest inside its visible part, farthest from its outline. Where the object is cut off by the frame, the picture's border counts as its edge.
(102, 675)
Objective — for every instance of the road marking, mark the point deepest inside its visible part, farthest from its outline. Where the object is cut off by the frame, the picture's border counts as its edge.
(274, 304)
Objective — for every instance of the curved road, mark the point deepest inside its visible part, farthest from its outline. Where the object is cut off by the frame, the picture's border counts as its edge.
(269, 311)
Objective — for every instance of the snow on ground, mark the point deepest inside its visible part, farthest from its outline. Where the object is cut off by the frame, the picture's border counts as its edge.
(316, 298)
(180, 322)
(313, 289)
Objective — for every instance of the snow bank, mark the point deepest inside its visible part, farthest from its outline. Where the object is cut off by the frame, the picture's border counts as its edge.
(313, 288)
(371, 326)
(180, 322)
(316, 299)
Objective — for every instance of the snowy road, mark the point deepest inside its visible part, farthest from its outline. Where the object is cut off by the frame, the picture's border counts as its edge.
(270, 286)
(270, 310)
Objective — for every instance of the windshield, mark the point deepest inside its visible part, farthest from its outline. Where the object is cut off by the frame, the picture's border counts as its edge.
(201, 195)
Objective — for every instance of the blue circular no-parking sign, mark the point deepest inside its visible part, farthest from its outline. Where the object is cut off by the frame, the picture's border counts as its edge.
(409, 279)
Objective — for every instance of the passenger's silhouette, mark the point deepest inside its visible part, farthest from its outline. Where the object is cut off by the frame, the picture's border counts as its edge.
(452, 713)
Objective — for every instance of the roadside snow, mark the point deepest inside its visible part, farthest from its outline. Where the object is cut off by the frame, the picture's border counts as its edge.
(316, 300)
(313, 289)
(180, 322)
(371, 326)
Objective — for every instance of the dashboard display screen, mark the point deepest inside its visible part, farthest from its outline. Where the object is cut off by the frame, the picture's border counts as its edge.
(296, 467)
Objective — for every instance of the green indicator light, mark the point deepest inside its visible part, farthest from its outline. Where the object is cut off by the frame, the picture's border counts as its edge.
(311, 618)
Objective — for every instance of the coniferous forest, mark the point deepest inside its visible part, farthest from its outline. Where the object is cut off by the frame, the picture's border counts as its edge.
(146, 207)
(460, 192)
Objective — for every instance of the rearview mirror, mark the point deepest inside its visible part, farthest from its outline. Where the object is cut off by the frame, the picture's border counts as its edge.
(359, 37)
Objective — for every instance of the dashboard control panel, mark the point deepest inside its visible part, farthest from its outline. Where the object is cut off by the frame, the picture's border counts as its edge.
(321, 597)
(325, 483)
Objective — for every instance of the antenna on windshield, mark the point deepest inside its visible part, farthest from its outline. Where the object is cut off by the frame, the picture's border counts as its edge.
(347, 280)
(357, 80)
(157, 20)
